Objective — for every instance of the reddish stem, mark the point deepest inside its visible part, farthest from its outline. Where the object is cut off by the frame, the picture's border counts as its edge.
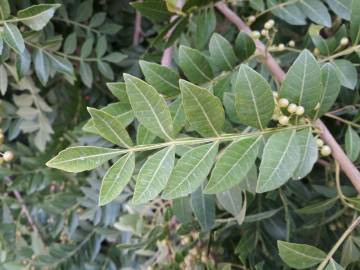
(137, 29)
(338, 154)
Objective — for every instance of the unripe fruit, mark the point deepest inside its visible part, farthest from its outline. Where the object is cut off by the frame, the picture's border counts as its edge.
(319, 142)
(292, 108)
(283, 102)
(325, 151)
(264, 32)
(8, 156)
(291, 43)
(283, 120)
(255, 34)
(281, 47)
(275, 94)
(300, 110)
(269, 24)
(344, 41)
(316, 51)
(252, 19)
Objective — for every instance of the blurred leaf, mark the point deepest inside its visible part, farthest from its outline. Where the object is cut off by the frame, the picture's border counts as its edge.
(352, 144)
(37, 16)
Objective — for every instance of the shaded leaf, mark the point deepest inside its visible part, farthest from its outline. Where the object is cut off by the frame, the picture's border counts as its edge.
(203, 110)
(244, 46)
(302, 84)
(347, 73)
(222, 53)
(37, 16)
(110, 128)
(300, 256)
(279, 160)
(116, 178)
(352, 144)
(195, 65)
(13, 38)
(254, 100)
(203, 206)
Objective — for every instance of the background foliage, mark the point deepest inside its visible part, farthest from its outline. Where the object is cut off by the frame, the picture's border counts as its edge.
(59, 58)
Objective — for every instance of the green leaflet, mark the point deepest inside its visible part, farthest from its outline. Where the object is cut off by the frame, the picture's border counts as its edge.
(254, 100)
(222, 53)
(190, 171)
(4, 9)
(300, 256)
(203, 110)
(261, 216)
(3, 80)
(149, 107)
(233, 165)
(144, 136)
(82, 158)
(164, 79)
(279, 160)
(86, 74)
(341, 8)
(332, 265)
(154, 175)
(153, 9)
(244, 46)
(195, 65)
(13, 38)
(302, 84)
(182, 209)
(178, 115)
(289, 13)
(118, 89)
(350, 251)
(116, 178)
(36, 17)
(42, 66)
(352, 144)
(231, 200)
(308, 153)
(318, 207)
(120, 110)
(331, 88)
(61, 64)
(347, 73)
(355, 22)
(110, 128)
(316, 11)
(203, 206)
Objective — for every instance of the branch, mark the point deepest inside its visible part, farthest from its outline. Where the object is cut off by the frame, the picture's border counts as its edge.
(338, 154)
(352, 227)
(137, 29)
(24, 209)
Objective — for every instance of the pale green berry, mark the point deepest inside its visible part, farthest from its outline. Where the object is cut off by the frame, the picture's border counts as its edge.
(281, 47)
(292, 43)
(283, 102)
(252, 19)
(325, 151)
(255, 34)
(344, 41)
(292, 108)
(319, 142)
(283, 120)
(269, 24)
(300, 110)
(264, 32)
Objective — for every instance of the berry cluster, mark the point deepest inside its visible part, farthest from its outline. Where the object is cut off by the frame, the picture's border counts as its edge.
(284, 110)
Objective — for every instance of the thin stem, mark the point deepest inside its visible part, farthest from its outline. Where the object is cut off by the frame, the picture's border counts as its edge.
(72, 57)
(342, 53)
(137, 29)
(331, 253)
(287, 215)
(221, 138)
(330, 115)
(76, 24)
